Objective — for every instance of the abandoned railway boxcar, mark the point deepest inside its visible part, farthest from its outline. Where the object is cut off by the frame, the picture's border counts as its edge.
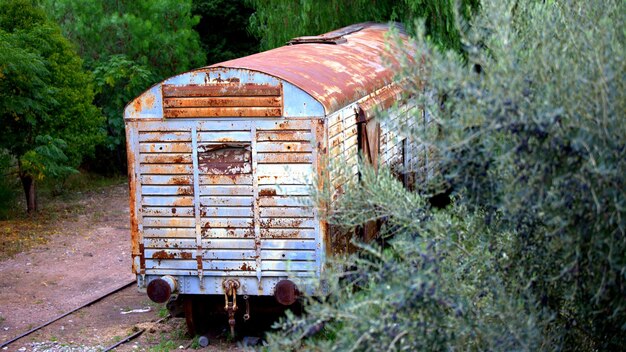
(222, 160)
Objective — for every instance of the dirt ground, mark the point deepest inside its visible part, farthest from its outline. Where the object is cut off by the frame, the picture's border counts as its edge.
(86, 254)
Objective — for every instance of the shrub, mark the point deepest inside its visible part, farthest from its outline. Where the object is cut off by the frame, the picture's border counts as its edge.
(531, 254)
(432, 288)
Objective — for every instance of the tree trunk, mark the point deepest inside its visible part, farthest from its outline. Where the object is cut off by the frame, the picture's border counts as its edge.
(28, 183)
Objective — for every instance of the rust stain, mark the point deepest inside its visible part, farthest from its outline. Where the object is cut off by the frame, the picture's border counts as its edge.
(145, 101)
(199, 259)
(222, 112)
(173, 210)
(183, 202)
(246, 267)
(136, 250)
(280, 222)
(137, 104)
(231, 89)
(149, 99)
(381, 99)
(142, 259)
(179, 159)
(163, 255)
(224, 102)
(185, 191)
(205, 229)
(181, 180)
(279, 235)
(335, 75)
(268, 192)
(186, 255)
(223, 178)
(219, 79)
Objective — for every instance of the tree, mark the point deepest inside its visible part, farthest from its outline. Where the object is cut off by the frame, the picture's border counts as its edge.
(531, 253)
(48, 120)
(223, 29)
(128, 45)
(309, 17)
(8, 184)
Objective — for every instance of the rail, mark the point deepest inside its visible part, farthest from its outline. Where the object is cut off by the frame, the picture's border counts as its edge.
(6, 343)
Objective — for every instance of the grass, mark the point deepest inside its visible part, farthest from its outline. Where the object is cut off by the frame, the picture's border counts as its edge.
(163, 312)
(164, 345)
(195, 344)
(171, 339)
(70, 201)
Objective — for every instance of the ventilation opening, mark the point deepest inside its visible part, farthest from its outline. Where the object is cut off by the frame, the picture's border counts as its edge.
(335, 37)
(225, 159)
(229, 99)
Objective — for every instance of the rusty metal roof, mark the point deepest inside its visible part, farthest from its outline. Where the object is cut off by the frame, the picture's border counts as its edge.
(336, 68)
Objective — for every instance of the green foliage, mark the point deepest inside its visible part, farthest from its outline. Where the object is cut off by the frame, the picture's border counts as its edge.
(157, 35)
(163, 312)
(165, 345)
(276, 22)
(440, 19)
(118, 80)
(538, 141)
(529, 133)
(431, 289)
(223, 29)
(128, 45)
(46, 159)
(45, 96)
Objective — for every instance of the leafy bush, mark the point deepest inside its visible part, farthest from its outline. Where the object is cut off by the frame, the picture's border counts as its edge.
(531, 254)
(432, 288)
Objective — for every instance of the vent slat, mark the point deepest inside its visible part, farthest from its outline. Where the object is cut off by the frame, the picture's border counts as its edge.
(222, 112)
(190, 102)
(221, 90)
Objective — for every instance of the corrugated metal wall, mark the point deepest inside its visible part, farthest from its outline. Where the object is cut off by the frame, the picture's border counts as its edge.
(396, 151)
(234, 192)
(403, 156)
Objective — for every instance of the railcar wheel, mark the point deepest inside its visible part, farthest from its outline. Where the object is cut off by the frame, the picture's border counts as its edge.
(201, 311)
(193, 315)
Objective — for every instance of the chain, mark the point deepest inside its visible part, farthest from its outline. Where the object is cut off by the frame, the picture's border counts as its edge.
(230, 289)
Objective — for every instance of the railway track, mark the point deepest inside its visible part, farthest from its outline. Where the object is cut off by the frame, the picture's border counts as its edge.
(61, 316)
(216, 331)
